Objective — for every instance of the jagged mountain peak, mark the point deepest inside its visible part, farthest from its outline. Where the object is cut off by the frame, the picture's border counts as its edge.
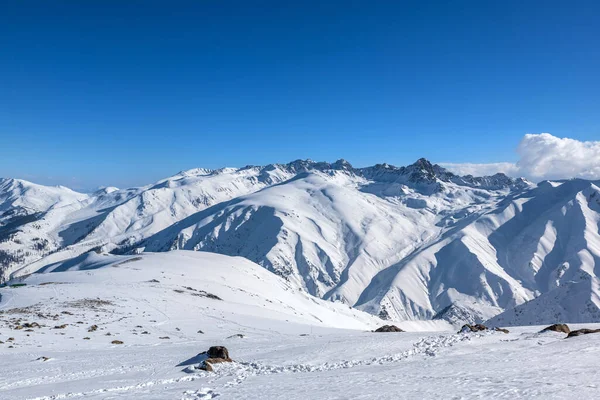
(423, 164)
(430, 178)
(422, 172)
(309, 165)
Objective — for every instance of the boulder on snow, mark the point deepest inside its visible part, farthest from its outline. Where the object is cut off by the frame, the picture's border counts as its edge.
(564, 328)
(216, 355)
(501, 330)
(473, 328)
(584, 331)
(388, 328)
(218, 352)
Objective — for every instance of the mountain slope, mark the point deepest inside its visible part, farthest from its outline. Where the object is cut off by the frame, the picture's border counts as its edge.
(211, 284)
(574, 301)
(57, 229)
(415, 242)
(531, 242)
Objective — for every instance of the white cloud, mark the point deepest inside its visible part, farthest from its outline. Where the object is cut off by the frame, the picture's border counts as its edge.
(543, 156)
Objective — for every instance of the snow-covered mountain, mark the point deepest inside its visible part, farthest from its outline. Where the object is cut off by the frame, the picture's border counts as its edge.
(415, 242)
(41, 224)
(576, 301)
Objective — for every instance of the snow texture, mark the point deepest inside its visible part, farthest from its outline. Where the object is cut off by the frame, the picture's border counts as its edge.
(167, 308)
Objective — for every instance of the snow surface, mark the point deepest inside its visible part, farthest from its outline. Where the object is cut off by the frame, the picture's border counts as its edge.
(408, 243)
(294, 346)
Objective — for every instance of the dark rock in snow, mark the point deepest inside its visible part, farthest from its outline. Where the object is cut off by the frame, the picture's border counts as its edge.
(473, 328)
(501, 330)
(564, 328)
(218, 352)
(584, 331)
(388, 328)
(216, 355)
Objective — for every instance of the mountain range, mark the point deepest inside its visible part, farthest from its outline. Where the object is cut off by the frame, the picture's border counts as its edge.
(404, 243)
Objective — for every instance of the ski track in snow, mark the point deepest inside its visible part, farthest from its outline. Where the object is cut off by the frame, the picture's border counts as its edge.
(204, 393)
(241, 371)
(121, 388)
(429, 346)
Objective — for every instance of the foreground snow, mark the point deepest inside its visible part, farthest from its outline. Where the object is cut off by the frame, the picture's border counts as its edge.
(324, 365)
(294, 346)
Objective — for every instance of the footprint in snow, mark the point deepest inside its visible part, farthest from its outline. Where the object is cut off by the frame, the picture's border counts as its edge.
(204, 393)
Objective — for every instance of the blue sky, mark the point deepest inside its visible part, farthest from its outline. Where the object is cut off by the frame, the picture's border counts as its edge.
(124, 93)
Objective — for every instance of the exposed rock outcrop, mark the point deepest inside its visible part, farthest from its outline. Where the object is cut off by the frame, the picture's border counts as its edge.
(584, 331)
(473, 328)
(388, 328)
(564, 328)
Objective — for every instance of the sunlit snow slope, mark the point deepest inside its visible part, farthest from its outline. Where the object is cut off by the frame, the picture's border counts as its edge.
(183, 288)
(412, 243)
(133, 327)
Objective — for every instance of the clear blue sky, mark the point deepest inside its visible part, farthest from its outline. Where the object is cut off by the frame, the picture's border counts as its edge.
(126, 92)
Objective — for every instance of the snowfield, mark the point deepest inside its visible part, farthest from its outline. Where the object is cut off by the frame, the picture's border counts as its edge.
(166, 308)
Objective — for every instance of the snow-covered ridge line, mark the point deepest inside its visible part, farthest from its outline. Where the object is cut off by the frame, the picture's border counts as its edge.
(422, 169)
(405, 243)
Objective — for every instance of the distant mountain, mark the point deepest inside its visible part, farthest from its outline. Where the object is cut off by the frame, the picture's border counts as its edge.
(414, 242)
(575, 301)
